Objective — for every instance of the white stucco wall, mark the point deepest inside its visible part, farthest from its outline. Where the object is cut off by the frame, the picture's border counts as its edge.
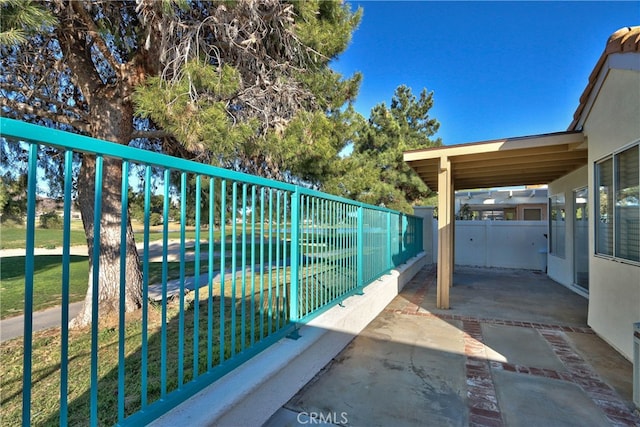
(559, 268)
(613, 122)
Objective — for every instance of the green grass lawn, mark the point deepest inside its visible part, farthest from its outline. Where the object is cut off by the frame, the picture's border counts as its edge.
(46, 344)
(48, 278)
(47, 282)
(46, 362)
(15, 237)
(262, 317)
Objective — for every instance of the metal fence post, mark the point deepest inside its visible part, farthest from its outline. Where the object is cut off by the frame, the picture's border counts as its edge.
(28, 284)
(389, 243)
(420, 235)
(360, 247)
(95, 279)
(294, 313)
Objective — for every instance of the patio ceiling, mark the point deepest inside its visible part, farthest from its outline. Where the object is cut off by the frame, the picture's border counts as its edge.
(528, 160)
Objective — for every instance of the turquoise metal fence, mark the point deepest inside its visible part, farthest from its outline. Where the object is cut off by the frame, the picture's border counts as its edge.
(249, 260)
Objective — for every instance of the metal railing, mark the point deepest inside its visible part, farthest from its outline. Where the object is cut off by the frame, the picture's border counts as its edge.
(261, 257)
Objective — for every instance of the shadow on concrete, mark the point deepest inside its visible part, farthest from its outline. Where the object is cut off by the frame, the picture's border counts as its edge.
(513, 350)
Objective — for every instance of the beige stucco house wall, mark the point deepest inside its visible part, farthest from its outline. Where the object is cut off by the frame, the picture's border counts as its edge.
(609, 118)
(611, 122)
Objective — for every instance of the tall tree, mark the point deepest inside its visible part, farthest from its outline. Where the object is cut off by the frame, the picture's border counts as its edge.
(261, 97)
(237, 75)
(375, 172)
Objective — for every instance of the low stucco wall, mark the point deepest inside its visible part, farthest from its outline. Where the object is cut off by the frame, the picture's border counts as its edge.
(271, 378)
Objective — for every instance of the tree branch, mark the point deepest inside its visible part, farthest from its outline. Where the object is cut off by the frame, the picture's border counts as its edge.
(92, 30)
(85, 76)
(149, 55)
(21, 107)
(45, 100)
(150, 134)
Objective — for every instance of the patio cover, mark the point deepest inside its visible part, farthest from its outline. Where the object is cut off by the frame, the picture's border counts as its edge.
(528, 160)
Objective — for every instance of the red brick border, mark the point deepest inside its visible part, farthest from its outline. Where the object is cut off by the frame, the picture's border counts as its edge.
(583, 375)
(484, 408)
(531, 325)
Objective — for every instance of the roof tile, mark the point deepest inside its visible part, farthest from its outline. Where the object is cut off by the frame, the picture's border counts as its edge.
(625, 40)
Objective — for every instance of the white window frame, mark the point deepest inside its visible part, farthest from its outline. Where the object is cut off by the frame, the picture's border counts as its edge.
(596, 198)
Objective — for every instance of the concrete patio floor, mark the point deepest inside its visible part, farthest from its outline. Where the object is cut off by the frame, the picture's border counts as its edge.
(514, 350)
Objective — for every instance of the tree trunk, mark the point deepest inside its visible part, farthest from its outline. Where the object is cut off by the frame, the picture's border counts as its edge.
(111, 120)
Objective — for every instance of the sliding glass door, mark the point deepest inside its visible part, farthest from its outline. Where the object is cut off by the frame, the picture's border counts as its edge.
(581, 238)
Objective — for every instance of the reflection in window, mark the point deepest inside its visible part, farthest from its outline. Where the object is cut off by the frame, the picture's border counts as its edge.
(618, 204)
(604, 207)
(557, 225)
(627, 209)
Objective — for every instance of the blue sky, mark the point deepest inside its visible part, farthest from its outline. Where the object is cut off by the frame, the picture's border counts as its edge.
(497, 69)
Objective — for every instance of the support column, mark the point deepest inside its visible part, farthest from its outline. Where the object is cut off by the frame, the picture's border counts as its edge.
(445, 233)
(452, 215)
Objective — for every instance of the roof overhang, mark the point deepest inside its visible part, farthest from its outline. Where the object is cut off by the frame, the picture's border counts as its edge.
(623, 42)
(528, 160)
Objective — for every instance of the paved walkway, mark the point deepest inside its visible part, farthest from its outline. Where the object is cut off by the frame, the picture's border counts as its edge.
(13, 327)
(514, 350)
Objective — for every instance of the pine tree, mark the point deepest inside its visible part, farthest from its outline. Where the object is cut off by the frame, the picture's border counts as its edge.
(265, 101)
(240, 78)
(377, 172)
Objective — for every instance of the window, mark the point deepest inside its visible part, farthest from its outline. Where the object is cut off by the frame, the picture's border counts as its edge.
(532, 214)
(509, 214)
(556, 225)
(618, 204)
(604, 207)
(627, 208)
(492, 214)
